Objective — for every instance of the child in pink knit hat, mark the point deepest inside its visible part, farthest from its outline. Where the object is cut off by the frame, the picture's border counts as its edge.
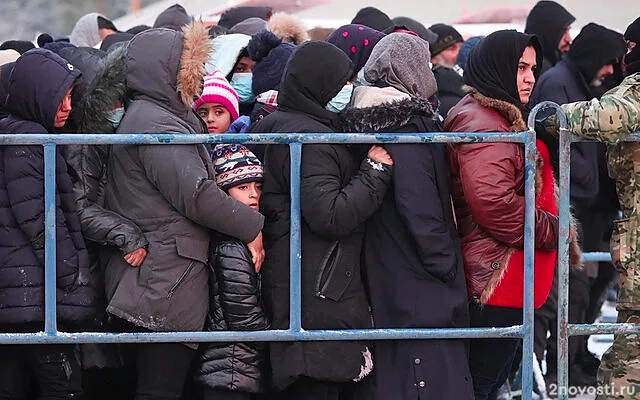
(218, 105)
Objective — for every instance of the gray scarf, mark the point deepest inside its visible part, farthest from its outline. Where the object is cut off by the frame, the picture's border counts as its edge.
(402, 61)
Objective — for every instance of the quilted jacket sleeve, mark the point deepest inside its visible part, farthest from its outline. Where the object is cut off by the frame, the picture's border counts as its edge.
(239, 287)
(24, 174)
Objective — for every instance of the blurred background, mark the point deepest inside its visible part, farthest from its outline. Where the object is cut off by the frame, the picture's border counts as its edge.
(25, 19)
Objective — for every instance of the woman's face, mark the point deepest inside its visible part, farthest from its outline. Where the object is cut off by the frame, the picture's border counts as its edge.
(526, 78)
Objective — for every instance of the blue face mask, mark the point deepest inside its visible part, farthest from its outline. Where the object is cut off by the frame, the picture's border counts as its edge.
(341, 100)
(361, 80)
(115, 116)
(241, 83)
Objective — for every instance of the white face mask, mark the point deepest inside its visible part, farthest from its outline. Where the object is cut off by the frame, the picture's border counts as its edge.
(341, 100)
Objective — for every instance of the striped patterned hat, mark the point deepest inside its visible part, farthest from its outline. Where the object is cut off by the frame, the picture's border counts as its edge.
(235, 164)
(218, 90)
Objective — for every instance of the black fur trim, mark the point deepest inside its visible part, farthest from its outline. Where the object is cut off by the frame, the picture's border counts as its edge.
(107, 88)
(386, 116)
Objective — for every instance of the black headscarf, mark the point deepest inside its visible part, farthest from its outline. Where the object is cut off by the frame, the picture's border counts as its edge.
(595, 47)
(492, 67)
(314, 74)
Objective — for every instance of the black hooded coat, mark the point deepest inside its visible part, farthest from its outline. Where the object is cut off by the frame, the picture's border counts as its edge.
(338, 193)
(39, 82)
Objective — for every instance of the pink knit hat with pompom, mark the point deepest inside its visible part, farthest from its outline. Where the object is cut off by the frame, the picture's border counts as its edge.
(218, 90)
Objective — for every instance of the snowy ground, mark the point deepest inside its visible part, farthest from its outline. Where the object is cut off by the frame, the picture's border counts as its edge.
(600, 343)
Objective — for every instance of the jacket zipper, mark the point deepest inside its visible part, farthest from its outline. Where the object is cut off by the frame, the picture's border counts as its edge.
(328, 266)
(180, 280)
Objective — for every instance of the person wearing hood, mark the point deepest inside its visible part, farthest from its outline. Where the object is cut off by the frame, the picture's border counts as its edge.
(373, 18)
(348, 189)
(551, 23)
(169, 191)
(39, 102)
(591, 58)
(90, 30)
(271, 56)
(489, 200)
(174, 17)
(235, 15)
(411, 251)
(357, 42)
(611, 119)
(231, 57)
(97, 104)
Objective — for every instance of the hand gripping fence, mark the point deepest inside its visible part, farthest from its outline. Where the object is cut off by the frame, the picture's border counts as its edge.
(296, 332)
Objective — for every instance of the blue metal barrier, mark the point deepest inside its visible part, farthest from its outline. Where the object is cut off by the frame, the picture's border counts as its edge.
(296, 332)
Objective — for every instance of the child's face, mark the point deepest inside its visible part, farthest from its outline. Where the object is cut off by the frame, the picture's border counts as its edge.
(217, 117)
(247, 193)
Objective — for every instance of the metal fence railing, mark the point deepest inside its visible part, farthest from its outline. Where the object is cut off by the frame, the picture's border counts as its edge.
(296, 332)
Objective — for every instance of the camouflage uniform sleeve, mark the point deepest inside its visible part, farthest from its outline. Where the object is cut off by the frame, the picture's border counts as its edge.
(610, 119)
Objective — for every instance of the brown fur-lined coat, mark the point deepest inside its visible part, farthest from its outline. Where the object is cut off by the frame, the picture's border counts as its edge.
(489, 238)
(169, 191)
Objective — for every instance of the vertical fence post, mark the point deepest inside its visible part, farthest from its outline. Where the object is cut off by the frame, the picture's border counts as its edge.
(295, 251)
(50, 323)
(529, 248)
(563, 260)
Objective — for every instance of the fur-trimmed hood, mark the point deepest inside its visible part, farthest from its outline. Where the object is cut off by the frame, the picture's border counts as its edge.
(107, 88)
(288, 27)
(511, 113)
(391, 111)
(167, 67)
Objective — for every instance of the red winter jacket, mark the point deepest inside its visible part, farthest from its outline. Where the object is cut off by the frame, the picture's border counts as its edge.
(488, 195)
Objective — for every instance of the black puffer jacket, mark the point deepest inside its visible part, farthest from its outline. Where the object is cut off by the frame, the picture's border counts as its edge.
(235, 305)
(37, 86)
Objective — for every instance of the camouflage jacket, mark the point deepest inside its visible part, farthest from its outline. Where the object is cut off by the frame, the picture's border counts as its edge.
(611, 119)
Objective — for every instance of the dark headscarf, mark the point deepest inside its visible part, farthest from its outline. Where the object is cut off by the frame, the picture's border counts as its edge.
(492, 67)
(633, 31)
(595, 47)
(356, 41)
(632, 60)
(373, 18)
(316, 72)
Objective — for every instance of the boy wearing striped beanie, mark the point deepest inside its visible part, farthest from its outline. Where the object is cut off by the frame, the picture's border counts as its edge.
(235, 298)
(218, 104)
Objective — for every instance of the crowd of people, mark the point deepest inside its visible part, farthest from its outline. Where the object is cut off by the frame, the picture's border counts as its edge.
(155, 238)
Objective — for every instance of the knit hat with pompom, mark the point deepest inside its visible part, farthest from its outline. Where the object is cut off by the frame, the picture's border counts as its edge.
(218, 90)
(271, 56)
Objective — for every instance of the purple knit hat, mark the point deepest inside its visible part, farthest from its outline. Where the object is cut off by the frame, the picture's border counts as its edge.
(356, 41)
